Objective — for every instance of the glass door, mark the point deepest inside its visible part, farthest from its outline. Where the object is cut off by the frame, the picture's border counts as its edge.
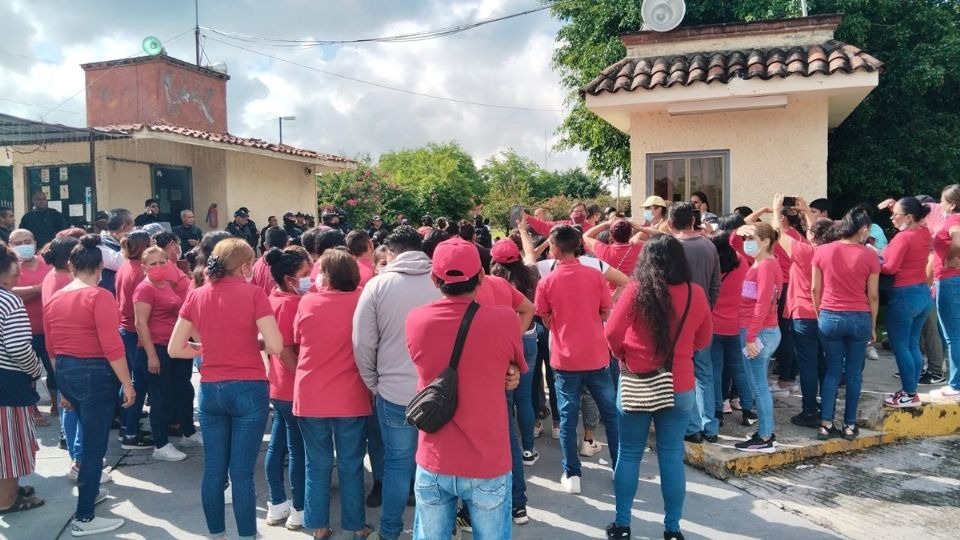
(674, 177)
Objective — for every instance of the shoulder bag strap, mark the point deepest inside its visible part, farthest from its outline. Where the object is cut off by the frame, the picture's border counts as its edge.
(668, 365)
(462, 334)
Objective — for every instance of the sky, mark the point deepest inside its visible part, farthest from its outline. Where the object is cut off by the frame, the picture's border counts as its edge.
(505, 63)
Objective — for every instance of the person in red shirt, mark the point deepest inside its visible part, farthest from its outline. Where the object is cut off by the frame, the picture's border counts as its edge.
(573, 301)
(759, 330)
(946, 247)
(641, 332)
(623, 250)
(906, 258)
(845, 282)
(227, 313)
(426, 225)
(178, 280)
(290, 272)
(80, 322)
(469, 457)
(155, 307)
(128, 277)
(360, 246)
(329, 397)
(579, 215)
(262, 275)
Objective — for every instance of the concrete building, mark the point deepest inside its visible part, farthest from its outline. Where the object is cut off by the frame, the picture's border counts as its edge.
(738, 111)
(157, 127)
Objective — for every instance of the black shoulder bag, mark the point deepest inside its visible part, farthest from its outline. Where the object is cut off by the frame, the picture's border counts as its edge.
(653, 390)
(435, 405)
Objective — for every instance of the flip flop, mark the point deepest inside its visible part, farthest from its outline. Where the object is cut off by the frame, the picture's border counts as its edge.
(26, 491)
(23, 503)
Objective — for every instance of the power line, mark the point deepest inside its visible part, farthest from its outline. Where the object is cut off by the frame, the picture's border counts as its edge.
(35, 106)
(384, 86)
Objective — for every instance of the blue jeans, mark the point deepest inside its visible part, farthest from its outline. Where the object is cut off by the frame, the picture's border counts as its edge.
(285, 438)
(319, 437)
(233, 416)
(569, 384)
(131, 420)
(728, 360)
(519, 490)
(543, 359)
(808, 354)
(486, 499)
(90, 385)
(375, 446)
(756, 369)
(523, 395)
(160, 388)
(39, 343)
(906, 314)
(399, 451)
(948, 306)
(670, 425)
(703, 418)
(844, 335)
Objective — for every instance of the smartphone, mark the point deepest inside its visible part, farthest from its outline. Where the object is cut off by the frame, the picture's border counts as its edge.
(789, 202)
(516, 212)
(697, 220)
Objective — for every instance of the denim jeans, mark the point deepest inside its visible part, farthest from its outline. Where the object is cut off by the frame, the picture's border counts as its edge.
(543, 366)
(523, 395)
(932, 344)
(399, 452)
(948, 305)
(569, 385)
(285, 438)
(808, 355)
(91, 387)
(72, 432)
(131, 421)
(844, 335)
(181, 399)
(728, 359)
(787, 369)
(906, 314)
(519, 490)
(670, 425)
(319, 437)
(233, 416)
(39, 343)
(756, 369)
(160, 388)
(485, 498)
(703, 418)
(375, 446)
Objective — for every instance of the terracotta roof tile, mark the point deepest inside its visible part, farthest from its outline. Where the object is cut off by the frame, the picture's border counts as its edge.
(225, 138)
(631, 74)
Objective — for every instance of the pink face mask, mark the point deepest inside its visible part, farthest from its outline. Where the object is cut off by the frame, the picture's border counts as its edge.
(578, 218)
(157, 273)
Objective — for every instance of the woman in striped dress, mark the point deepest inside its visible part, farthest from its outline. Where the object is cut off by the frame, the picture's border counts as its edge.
(19, 368)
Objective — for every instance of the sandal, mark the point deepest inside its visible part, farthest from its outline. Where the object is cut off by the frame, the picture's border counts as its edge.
(325, 536)
(371, 533)
(828, 432)
(850, 432)
(23, 503)
(26, 491)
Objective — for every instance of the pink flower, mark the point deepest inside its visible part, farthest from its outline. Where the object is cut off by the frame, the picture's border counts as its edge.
(351, 202)
(366, 173)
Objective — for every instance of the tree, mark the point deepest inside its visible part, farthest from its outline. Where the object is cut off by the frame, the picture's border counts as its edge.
(573, 183)
(362, 193)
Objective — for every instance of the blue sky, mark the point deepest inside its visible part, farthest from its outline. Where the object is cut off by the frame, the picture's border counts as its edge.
(505, 63)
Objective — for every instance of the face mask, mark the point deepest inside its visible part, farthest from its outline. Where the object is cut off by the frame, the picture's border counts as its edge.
(157, 273)
(303, 285)
(903, 227)
(25, 252)
(751, 248)
(648, 215)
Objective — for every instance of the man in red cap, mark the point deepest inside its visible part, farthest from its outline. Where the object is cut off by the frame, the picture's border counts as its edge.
(469, 457)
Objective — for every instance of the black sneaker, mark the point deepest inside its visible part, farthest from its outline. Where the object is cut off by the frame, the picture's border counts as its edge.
(695, 438)
(806, 420)
(375, 498)
(712, 439)
(520, 515)
(749, 418)
(137, 443)
(672, 535)
(932, 378)
(757, 445)
(62, 444)
(615, 531)
(463, 519)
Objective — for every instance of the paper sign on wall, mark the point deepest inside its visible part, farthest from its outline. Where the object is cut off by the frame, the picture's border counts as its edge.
(46, 191)
(63, 173)
(64, 192)
(56, 205)
(45, 175)
(76, 210)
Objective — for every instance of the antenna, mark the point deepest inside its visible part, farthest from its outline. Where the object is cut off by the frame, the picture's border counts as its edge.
(152, 46)
(662, 15)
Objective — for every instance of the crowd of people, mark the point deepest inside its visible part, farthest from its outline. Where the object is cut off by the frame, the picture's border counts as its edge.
(339, 330)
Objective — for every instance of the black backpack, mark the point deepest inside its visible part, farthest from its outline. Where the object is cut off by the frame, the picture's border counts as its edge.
(435, 405)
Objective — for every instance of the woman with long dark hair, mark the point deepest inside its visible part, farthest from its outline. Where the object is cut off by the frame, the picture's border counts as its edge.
(946, 246)
(641, 333)
(846, 276)
(128, 277)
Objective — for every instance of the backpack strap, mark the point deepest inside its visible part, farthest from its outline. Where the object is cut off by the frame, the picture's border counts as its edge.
(462, 334)
(668, 364)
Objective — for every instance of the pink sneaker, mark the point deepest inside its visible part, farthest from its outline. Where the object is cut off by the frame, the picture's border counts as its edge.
(946, 392)
(902, 400)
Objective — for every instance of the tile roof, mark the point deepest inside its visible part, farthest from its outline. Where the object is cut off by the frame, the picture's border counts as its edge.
(632, 74)
(225, 138)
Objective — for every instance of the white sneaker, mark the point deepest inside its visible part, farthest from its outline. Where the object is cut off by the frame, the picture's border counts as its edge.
(530, 457)
(777, 390)
(194, 440)
(277, 514)
(872, 353)
(589, 449)
(295, 521)
(228, 496)
(537, 430)
(168, 452)
(555, 433)
(571, 484)
(946, 392)
(74, 472)
(96, 525)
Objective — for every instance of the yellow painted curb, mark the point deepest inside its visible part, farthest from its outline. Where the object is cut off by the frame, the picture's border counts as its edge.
(930, 420)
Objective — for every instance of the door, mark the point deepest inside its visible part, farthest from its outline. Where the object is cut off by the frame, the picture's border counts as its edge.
(675, 177)
(173, 188)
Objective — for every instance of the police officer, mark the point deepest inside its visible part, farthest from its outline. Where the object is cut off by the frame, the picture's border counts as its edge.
(244, 227)
(290, 225)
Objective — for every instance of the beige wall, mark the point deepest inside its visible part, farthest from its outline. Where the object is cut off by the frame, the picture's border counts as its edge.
(773, 150)
(268, 187)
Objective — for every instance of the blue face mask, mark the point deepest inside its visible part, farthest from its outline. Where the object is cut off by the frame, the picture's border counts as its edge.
(648, 215)
(751, 248)
(303, 285)
(25, 252)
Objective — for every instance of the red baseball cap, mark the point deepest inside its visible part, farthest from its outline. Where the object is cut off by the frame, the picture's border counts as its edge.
(456, 260)
(505, 251)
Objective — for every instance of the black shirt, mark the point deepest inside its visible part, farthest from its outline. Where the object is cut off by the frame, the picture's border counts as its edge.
(146, 219)
(5, 235)
(44, 224)
(187, 233)
(248, 232)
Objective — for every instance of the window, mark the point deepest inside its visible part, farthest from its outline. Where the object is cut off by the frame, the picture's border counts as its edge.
(675, 176)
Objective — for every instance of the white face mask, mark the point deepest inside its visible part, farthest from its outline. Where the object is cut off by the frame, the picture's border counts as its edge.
(320, 282)
(648, 215)
(751, 248)
(303, 285)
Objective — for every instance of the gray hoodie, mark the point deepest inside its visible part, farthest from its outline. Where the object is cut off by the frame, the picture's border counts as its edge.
(379, 325)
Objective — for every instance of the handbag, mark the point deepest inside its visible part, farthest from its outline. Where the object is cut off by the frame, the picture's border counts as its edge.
(435, 405)
(651, 391)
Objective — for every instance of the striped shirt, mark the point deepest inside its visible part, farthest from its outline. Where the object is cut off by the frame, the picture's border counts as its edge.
(16, 346)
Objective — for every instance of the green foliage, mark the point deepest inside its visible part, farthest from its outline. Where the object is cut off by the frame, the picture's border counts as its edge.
(362, 193)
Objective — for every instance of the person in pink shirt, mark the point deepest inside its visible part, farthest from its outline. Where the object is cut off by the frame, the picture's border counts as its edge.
(228, 314)
(290, 271)
(906, 259)
(128, 277)
(329, 397)
(276, 238)
(622, 251)
(573, 301)
(845, 281)
(578, 216)
(178, 280)
(360, 246)
(946, 247)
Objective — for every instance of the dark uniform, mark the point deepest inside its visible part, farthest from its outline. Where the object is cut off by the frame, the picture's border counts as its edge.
(248, 232)
(44, 223)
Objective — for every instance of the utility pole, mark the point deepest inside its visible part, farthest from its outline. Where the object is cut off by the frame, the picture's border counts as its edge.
(196, 28)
